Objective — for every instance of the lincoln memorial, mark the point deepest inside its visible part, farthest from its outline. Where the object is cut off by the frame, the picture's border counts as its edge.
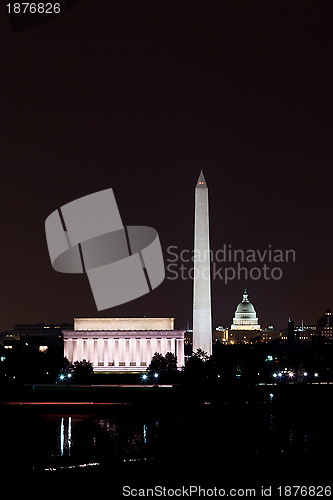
(122, 344)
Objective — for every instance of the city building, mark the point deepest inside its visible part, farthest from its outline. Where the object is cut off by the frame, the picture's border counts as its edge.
(301, 332)
(40, 336)
(122, 344)
(220, 334)
(269, 334)
(324, 327)
(305, 332)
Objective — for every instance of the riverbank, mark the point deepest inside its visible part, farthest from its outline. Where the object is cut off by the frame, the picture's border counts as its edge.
(167, 395)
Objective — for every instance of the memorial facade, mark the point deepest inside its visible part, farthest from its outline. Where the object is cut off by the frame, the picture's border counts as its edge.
(122, 344)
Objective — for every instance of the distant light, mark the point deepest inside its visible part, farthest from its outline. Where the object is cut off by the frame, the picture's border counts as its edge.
(305, 374)
(156, 375)
(280, 374)
(275, 375)
(144, 377)
(290, 374)
(62, 377)
(69, 375)
(316, 374)
(3, 358)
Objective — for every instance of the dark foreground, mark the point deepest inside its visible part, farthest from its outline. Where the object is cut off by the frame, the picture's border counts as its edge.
(148, 436)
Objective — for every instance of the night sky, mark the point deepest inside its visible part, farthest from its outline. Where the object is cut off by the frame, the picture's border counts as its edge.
(140, 96)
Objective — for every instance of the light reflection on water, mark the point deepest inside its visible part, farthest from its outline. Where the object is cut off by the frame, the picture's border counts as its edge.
(92, 438)
(65, 435)
(62, 441)
(103, 439)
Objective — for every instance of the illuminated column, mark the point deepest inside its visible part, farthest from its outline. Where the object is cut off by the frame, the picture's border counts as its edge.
(85, 349)
(148, 351)
(202, 309)
(138, 352)
(127, 352)
(180, 353)
(158, 346)
(90, 351)
(131, 355)
(116, 352)
(79, 349)
(70, 350)
(121, 344)
(106, 352)
(163, 346)
(95, 354)
(153, 347)
(100, 346)
(74, 350)
(66, 346)
(143, 351)
(132, 343)
(111, 351)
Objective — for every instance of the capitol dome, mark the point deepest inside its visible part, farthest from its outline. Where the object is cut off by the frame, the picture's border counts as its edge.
(245, 316)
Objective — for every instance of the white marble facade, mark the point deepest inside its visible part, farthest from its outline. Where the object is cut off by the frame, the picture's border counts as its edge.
(121, 350)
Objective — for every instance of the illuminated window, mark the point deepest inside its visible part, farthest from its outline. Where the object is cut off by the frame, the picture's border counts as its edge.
(43, 348)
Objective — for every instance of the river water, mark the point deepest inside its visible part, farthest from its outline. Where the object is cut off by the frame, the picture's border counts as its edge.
(243, 438)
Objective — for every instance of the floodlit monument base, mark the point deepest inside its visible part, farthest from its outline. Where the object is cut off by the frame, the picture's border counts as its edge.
(122, 344)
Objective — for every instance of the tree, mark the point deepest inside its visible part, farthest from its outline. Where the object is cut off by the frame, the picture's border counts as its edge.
(198, 366)
(201, 354)
(163, 367)
(83, 371)
(170, 363)
(157, 364)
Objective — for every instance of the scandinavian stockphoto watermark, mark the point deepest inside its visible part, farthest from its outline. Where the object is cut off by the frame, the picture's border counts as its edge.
(228, 263)
(87, 236)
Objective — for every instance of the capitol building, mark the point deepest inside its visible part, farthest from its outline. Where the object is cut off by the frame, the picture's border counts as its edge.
(245, 316)
(245, 325)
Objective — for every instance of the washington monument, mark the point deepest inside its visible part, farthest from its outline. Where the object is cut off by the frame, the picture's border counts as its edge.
(202, 309)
